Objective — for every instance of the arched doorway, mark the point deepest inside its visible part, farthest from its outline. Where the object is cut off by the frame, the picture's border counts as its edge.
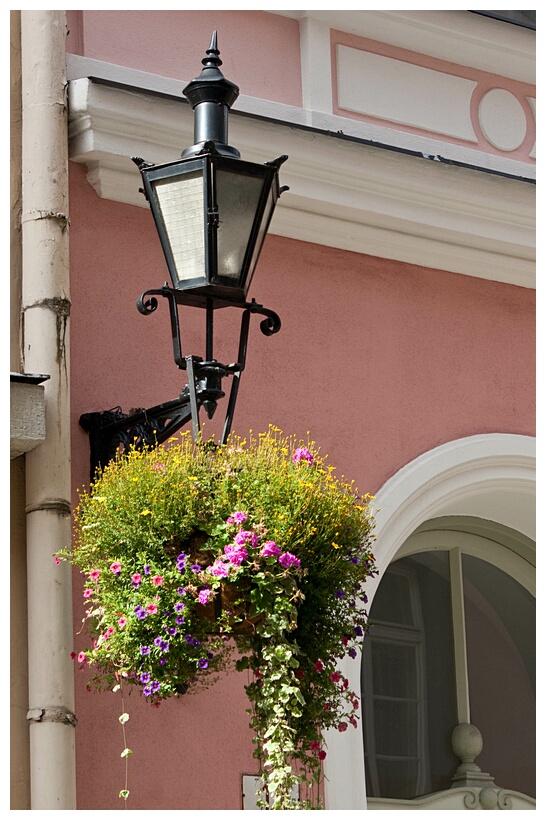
(488, 478)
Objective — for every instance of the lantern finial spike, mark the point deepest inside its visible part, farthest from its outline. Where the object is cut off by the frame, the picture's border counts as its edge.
(211, 96)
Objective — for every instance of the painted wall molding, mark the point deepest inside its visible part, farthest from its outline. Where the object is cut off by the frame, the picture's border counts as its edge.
(457, 36)
(342, 194)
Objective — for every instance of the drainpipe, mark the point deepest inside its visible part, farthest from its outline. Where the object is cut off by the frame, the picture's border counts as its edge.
(46, 308)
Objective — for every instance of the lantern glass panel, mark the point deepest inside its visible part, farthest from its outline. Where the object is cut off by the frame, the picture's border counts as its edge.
(264, 225)
(181, 203)
(238, 197)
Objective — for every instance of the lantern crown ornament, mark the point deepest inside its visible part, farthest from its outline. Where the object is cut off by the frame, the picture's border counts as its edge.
(212, 211)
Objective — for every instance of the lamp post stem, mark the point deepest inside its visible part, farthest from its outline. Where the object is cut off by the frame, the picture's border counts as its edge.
(209, 331)
(194, 406)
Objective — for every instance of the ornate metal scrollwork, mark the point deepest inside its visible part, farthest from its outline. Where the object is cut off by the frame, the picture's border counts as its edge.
(112, 432)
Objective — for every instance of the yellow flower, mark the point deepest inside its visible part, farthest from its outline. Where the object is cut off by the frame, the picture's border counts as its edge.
(146, 512)
(336, 546)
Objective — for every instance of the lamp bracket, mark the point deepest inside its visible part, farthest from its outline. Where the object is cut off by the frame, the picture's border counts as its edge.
(113, 432)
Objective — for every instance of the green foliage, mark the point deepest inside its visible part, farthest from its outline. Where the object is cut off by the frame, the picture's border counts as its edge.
(190, 550)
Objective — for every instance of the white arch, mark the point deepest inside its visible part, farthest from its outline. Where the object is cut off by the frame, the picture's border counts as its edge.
(489, 476)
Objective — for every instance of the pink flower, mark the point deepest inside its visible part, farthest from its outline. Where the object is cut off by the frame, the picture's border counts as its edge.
(57, 559)
(157, 580)
(235, 554)
(115, 566)
(73, 655)
(110, 631)
(315, 746)
(246, 537)
(87, 593)
(82, 658)
(355, 704)
(288, 560)
(204, 596)
(303, 454)
(158, 467)
(237, 518)
(342, 727)
(136, 579)
(219, 569)
(353, 720)
(335, 677)
(321, 754)
(270, 548)
(94, 574)
(319, 666)
(152, 609)
(122, 622)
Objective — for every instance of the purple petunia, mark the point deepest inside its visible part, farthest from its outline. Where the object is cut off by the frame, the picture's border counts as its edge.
(340, 593)
(145, 677)
(179, 620)
(144, 650)
(202, 663)
(155, 686)
(179, 606)
(196, 567)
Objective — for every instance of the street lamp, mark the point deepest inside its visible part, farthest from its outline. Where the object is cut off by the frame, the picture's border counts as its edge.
(212, 211)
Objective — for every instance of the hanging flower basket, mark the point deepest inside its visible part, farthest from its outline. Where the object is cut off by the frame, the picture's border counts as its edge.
(192, 550)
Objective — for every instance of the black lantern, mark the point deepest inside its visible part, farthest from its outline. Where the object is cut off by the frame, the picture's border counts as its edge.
(212, 211)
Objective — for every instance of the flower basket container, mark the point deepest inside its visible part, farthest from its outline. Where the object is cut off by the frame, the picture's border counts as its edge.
(192, 550)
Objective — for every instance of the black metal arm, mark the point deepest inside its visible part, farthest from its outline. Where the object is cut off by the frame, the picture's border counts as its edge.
(112, 432)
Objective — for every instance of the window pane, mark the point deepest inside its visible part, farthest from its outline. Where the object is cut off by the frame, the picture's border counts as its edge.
(396, 777)
(500, 635)
(394, 670)
(396, 728)
(394, 603)
(408, 680)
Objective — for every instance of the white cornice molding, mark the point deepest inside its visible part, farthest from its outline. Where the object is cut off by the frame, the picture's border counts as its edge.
(458, 36)
(343, 193)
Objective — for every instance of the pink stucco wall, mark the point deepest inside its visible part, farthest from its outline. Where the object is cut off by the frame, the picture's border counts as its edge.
(264, 49)
(379, 360)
